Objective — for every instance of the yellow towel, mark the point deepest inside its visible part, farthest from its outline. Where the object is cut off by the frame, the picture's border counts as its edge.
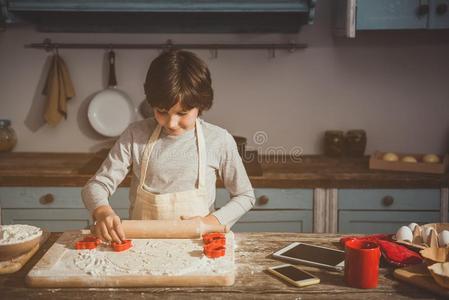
(58, 89)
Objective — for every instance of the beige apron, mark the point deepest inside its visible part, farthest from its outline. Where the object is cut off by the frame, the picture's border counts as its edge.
(170, 206)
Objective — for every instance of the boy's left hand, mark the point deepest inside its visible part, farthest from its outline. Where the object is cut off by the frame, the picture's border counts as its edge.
(209, 219)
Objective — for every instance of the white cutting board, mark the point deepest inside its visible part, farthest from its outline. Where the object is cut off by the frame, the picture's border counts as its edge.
(150, 262)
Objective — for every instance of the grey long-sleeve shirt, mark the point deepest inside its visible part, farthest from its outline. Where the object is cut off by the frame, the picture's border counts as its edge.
(173, 167)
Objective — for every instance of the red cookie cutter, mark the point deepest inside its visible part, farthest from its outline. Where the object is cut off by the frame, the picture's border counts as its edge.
(124, 245)
(214, 252)
(89, 242)
(210, 237)
(215, 243)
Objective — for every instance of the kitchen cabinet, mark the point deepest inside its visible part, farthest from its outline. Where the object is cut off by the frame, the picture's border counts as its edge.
(353, 15)
(53, 208)
(385, 210)
(275, 210)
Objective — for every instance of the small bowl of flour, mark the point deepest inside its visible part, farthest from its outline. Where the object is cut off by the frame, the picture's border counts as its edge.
(18, 239)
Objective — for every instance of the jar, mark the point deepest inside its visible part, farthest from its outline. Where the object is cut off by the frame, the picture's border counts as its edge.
(8, 137)
(355, 141)
(334, 143)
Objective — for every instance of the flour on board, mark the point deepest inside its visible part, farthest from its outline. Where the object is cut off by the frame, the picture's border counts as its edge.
(18, 233)
(151, 257)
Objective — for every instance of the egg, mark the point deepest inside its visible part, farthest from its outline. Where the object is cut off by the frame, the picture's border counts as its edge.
(412, 226)
(404, 234)
(443, 238)
(409, 159)
(390, 156)
(431, 158)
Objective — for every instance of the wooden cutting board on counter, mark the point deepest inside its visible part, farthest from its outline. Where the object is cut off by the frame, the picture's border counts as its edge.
(419, 275)
(150, 262)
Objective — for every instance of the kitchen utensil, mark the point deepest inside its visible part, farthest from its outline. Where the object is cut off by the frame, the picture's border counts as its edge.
(334, 143)
(58, 269)
(8, 138)
(440, 272)
(169, 228)
(111, 110)
(16, 263)
(10, 251)
(361, 264)
(89, 242)
(124, 245)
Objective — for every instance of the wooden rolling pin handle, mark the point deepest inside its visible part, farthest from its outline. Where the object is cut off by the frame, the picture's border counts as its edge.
(169, 228)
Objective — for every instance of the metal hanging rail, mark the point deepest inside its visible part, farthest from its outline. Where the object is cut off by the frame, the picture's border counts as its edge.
(48, 45)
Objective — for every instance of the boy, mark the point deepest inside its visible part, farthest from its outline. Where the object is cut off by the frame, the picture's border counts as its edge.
(175, 156)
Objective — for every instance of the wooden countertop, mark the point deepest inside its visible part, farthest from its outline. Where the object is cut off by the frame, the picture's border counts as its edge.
(311, 171)
(252, 281)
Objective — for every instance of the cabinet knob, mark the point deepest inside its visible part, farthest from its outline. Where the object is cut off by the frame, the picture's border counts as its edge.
(422, 10)
(387, 201)
(47, 199)
(263, 200)
(441, 9)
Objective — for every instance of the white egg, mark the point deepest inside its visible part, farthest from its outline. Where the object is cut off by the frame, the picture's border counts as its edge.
(443, 238)
(412, 226)
(404, 234)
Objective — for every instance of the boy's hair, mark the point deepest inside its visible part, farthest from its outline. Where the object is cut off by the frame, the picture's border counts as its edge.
(178, 75)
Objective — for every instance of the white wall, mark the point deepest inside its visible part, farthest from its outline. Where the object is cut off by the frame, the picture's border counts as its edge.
(392, 84)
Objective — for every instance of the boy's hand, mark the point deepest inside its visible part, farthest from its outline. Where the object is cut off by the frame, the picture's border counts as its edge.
(209, 219)
(108, 226)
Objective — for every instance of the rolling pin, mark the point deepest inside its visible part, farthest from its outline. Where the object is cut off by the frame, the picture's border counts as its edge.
(188, 229)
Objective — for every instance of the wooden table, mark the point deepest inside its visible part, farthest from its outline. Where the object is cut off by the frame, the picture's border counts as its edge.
(252, 281)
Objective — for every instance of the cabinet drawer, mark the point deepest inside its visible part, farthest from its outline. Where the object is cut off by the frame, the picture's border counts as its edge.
(274, 198)
(382, 222)
(51, 219)
(389, 199)
(53, 197)
(35, 197)
(275, 221)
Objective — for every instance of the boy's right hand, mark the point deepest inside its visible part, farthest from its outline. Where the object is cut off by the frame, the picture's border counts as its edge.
(108, 226)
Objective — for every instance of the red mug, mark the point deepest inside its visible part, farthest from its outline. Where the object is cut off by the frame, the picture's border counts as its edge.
(361, 264)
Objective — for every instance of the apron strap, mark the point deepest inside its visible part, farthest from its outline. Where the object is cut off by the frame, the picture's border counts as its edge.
(202, 159)
(146, 154)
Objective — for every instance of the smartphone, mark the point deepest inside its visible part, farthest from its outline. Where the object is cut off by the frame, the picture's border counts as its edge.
(294, 275)
(312, 255)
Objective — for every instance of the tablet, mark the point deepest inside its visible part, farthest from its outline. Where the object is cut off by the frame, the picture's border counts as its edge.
(312, 255)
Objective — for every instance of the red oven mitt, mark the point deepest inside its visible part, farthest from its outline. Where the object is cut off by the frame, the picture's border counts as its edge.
(393, 253)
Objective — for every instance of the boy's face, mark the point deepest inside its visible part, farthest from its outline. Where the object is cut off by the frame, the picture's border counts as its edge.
(176, 121)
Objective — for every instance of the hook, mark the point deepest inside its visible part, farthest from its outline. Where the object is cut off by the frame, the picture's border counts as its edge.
(292, 46)
(214, 53)
(168, 46)
(48, 45)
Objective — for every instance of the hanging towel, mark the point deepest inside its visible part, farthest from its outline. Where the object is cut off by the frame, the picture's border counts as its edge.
(58, 89)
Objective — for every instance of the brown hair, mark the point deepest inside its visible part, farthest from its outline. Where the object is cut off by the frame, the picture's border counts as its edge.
(178, 75)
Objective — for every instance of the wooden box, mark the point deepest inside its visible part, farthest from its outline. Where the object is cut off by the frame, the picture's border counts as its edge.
(376, 162)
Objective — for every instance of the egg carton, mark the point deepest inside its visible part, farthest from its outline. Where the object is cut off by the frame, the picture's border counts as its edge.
(377, 162)
(435, 235)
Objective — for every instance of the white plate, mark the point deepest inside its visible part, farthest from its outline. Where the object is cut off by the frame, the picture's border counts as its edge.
(110, 112)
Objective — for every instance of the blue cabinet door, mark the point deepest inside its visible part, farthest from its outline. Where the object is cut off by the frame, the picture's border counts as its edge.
(390, 14)
(439, 14)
